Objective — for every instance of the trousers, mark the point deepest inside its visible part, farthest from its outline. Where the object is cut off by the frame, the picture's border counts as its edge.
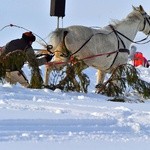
(16, 76)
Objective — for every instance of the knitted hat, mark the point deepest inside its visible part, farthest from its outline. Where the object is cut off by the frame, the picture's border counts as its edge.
(28, 36)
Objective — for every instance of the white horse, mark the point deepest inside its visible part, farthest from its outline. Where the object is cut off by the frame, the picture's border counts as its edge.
(104, 48)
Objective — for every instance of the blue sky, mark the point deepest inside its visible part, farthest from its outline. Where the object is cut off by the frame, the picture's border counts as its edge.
(35, 16)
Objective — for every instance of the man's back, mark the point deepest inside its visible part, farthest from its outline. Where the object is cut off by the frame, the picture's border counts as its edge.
(17, 44)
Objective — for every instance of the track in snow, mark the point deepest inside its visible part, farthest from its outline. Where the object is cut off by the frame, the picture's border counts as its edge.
(64, 129)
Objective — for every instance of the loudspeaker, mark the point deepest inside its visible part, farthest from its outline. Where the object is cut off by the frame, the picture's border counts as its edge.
(57, 8)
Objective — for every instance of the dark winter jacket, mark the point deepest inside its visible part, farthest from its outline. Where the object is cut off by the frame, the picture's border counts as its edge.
(23, 45)
(17, 44)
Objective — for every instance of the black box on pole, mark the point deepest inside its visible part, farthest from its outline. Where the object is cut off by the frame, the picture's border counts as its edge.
(57, 8)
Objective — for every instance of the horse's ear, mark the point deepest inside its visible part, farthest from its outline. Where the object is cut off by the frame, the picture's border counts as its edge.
(134, 8)
(141, 8)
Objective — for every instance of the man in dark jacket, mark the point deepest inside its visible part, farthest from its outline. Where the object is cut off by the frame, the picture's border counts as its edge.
(14, 75)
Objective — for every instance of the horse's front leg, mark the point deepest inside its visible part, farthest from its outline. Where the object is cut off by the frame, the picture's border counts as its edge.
(47, 74)
(100, 80)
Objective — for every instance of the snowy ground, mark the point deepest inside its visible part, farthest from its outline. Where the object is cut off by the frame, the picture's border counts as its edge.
(43, 119)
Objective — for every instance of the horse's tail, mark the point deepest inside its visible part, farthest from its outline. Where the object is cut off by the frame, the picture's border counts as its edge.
(57, 37)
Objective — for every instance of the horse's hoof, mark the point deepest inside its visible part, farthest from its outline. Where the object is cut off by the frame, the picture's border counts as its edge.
(51, 87)
(98, 86)
(97, 91)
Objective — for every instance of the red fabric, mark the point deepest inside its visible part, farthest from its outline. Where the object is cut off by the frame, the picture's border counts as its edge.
(139, 59)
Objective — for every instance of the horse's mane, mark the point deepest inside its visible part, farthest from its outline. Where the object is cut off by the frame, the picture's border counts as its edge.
(134, 15)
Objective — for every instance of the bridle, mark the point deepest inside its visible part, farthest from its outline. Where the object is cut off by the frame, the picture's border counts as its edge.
(146, 20)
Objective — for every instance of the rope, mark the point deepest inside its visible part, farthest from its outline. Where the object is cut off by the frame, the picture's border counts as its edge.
(13, 25)
(85, 58)
(10, 25)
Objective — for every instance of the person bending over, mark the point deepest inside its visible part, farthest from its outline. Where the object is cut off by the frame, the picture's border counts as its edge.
(14, 73)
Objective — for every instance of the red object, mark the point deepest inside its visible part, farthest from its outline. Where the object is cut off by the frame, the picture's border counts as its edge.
(139, 59)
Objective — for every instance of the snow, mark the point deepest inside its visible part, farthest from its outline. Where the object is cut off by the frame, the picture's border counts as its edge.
(43, 119)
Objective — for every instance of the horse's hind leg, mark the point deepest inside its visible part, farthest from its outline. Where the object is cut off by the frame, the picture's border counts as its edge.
(100, 79)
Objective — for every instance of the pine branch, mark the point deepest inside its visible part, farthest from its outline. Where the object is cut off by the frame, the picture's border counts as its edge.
(74, 78)
(122, 77)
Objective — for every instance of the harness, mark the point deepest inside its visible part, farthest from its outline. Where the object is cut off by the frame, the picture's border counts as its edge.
(122, 50)
(118, 34)
(145, 20)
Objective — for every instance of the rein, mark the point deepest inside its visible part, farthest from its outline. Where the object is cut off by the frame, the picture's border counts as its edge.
(83, 44)
(109, 53)
(71, 60)
(119, 39)
(87, 42)
(136, 42)
(145, 20)
(117, 32)
(48, 47)
(93, 56)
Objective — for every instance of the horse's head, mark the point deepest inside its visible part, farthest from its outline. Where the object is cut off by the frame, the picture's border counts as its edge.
(145, 20)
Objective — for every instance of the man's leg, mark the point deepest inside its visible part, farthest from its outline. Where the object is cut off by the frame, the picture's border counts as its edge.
(16, 76)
